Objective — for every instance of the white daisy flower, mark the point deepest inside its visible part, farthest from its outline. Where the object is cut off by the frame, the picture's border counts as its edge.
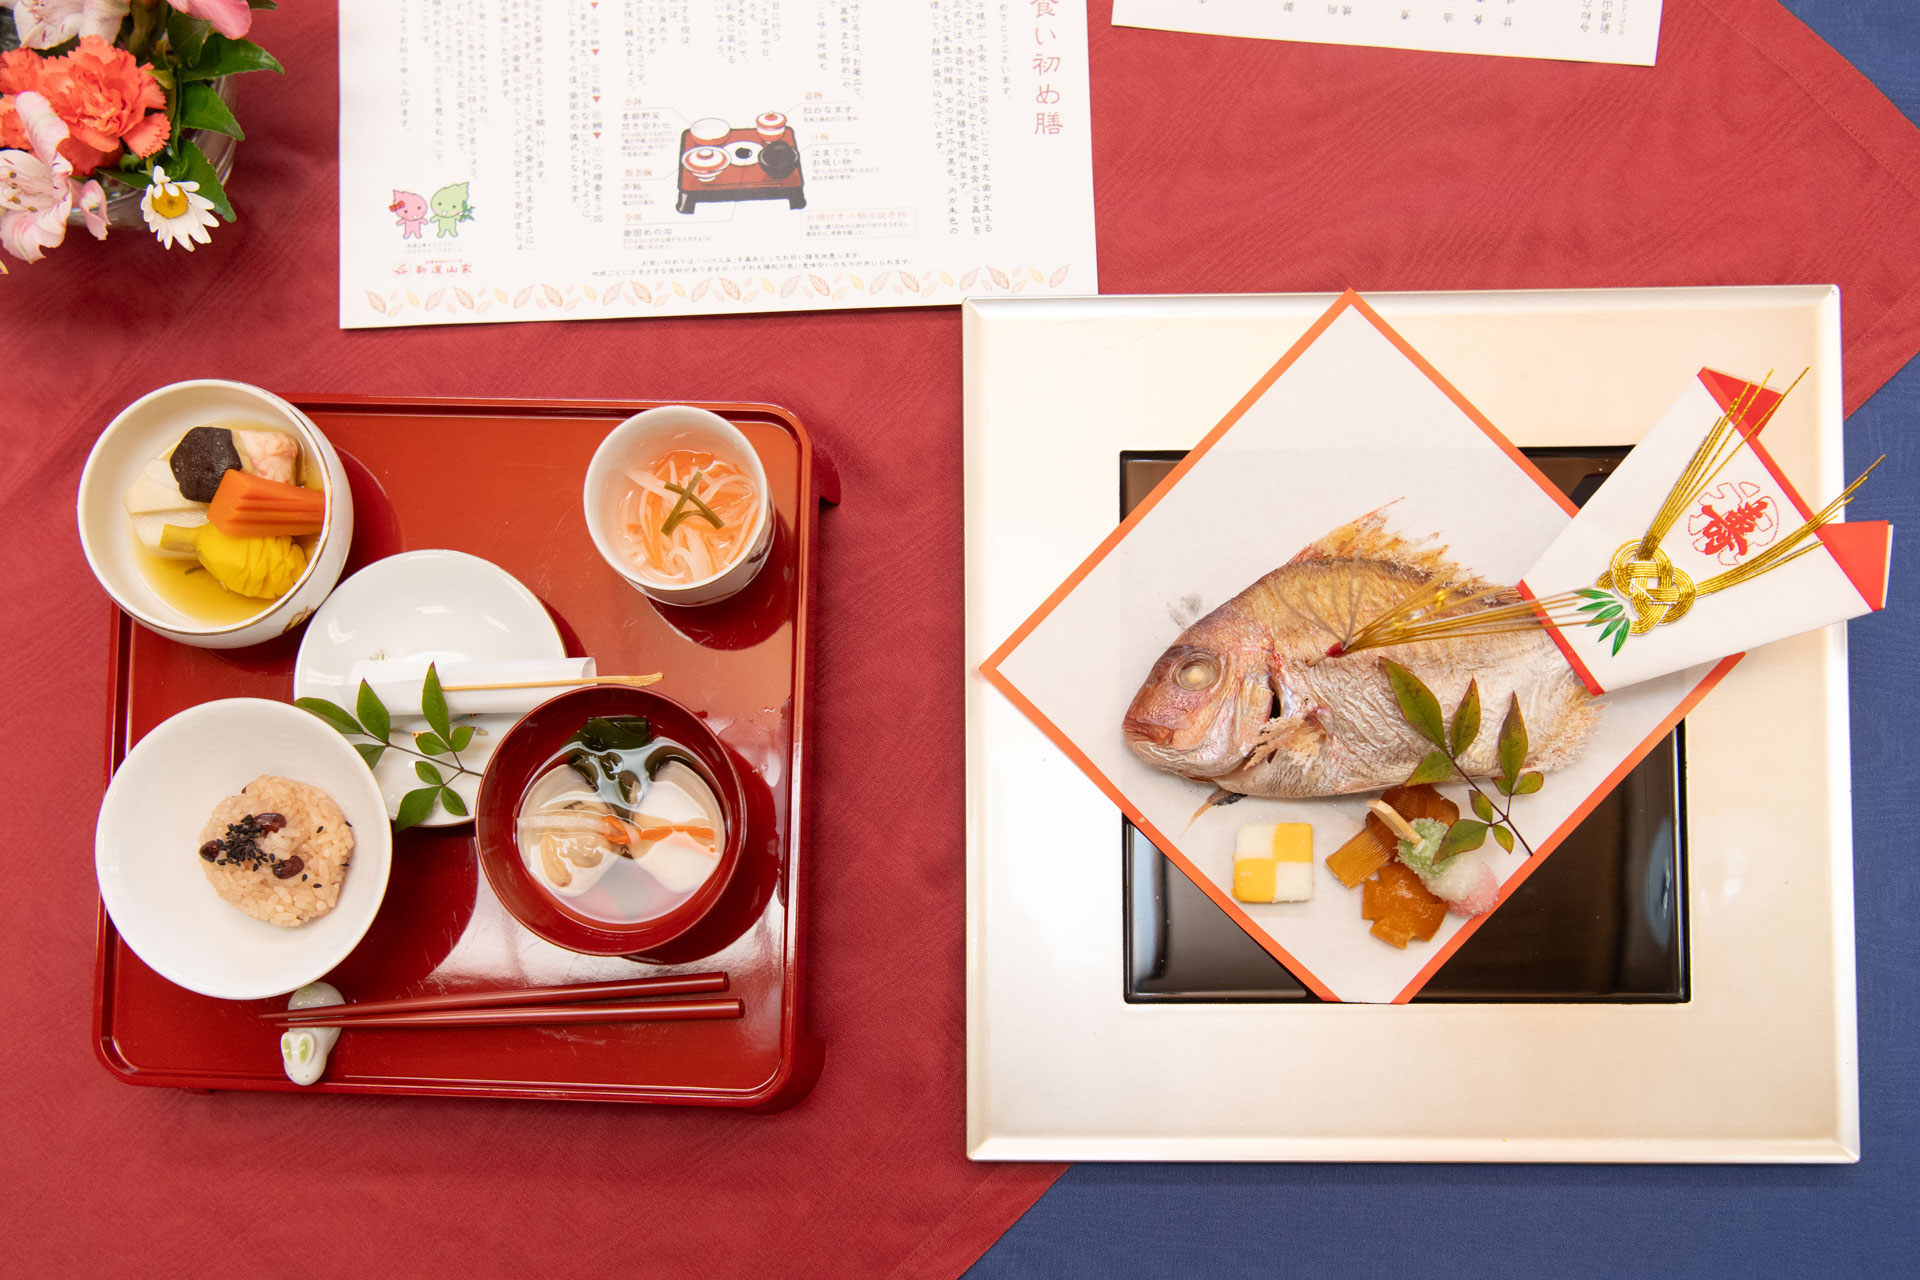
(176, 211)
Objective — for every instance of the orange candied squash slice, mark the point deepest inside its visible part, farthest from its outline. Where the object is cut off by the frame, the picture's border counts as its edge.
(1363, 855)
(1400, 906)
(1420, 802)
(1375, 846)
(1395, 932)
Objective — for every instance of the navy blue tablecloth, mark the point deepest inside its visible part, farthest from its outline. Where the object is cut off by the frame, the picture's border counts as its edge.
(1442, 1220)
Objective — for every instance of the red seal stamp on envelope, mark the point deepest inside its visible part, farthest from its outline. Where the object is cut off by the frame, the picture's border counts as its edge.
(1732, 521)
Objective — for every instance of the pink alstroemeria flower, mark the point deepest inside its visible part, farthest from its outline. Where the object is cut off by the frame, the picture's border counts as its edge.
(38, 189)
(231, 18)
(43, 24)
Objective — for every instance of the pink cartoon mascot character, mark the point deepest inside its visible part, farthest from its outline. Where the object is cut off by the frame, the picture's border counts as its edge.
(410, 213)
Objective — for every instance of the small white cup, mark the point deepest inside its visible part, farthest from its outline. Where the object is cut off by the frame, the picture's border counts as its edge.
(646, 436)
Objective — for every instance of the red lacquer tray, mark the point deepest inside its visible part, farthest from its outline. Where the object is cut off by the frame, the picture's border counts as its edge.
(503, 481)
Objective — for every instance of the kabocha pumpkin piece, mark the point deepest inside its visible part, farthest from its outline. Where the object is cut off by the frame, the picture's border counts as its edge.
(250, 506)
(1375, 846)
(1400, 906)
(261, 568)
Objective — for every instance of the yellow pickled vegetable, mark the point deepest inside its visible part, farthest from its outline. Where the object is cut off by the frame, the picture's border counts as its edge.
(264, 568)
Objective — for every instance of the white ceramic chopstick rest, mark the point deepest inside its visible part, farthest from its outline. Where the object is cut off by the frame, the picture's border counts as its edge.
(304, 1051)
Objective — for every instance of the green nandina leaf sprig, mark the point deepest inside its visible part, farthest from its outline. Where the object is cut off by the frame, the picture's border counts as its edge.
(442, 738)
(1606, 612)
(1451, 740)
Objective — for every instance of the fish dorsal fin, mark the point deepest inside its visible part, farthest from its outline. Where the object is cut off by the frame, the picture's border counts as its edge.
(1368, 539)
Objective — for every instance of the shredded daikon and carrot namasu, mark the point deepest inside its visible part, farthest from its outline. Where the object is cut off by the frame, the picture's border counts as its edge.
(668, 516)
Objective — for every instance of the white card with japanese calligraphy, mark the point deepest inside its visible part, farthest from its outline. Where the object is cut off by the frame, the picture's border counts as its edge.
(1626, 31)
(507, 160)
(1625, 616)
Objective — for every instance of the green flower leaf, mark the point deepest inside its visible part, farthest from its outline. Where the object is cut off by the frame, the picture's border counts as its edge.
(1503, 785)
(1435, 768)
(427, 773)
(1594, 593)
(1513, 740)
(1482, 807)
(1504, 836)
(414, 807)
(261, 4)
(433, 703)
(1462, 837)
(191, 165)
(332, 712)
(373, 713)
(371, 752)
(1417, 704)
(461, 737)
(1529, 783)
(187, 35)
(431, 743)
(450, 801)
(224, 57)
(1466, 719)
(1619, 641)
(1597, 605)
(201, 108)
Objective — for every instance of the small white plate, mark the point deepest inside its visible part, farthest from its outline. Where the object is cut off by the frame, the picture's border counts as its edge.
(424, 606)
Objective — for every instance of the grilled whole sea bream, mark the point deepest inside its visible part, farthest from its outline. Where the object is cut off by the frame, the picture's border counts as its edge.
(1248, 700)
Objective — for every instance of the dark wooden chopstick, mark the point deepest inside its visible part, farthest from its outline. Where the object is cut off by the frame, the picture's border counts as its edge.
(641, 1011)
(679, 984)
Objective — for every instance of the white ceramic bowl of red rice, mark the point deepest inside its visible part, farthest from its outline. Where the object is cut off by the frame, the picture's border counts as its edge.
(159, 887)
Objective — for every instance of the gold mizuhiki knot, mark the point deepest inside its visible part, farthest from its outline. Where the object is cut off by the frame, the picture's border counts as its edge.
(1657, 591)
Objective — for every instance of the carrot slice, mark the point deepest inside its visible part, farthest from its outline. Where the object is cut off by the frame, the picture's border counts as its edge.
(250, 506)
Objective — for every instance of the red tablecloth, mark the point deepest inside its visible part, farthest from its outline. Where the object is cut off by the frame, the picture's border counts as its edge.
(1752, 154)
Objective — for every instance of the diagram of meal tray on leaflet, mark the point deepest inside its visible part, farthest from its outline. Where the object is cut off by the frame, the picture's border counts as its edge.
(721, 163)
(720, 166)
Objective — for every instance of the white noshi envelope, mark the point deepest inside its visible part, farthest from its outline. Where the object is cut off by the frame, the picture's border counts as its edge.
(1748, 505)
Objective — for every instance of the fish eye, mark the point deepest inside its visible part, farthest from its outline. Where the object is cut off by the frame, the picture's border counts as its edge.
(1196, 674)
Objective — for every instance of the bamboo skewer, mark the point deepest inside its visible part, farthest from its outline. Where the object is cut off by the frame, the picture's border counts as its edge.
(631, 682)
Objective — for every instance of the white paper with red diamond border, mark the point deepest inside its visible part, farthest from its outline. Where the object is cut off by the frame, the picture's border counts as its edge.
(1352, 425)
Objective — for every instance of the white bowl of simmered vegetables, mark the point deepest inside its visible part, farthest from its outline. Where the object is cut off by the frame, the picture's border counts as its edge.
(215, 513)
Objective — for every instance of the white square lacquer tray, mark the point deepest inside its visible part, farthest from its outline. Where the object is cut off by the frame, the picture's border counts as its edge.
(1759, 1064)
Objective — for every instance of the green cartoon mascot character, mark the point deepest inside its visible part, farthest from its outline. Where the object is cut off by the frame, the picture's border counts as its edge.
(450, 208)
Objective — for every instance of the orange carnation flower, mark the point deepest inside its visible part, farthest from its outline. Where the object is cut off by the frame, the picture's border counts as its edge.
(105, 98)
(20, 71)
(13, 134)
